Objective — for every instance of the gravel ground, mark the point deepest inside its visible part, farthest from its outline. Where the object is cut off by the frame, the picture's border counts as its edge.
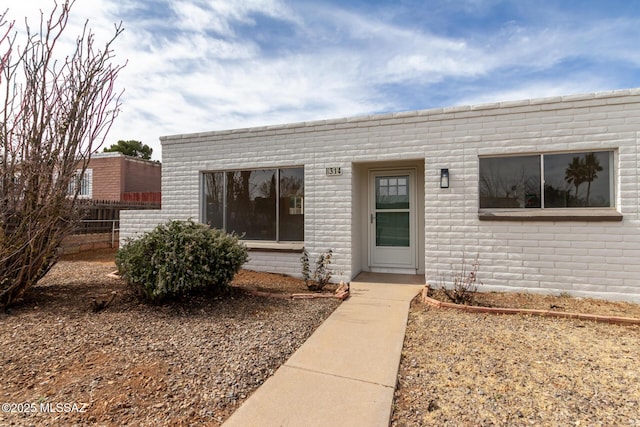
(461, 369)
(133, 364)
(193, 364)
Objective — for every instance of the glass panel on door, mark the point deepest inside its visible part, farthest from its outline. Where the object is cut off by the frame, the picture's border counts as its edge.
(392, 192)
(392, 222)
(392, 229)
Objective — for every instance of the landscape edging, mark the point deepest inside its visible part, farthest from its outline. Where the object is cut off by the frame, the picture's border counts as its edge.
(543, 313)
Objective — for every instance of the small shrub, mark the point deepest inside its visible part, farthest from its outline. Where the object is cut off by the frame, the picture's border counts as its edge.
(321, 275)
(465, 283)
(306, 270)
(180, 258)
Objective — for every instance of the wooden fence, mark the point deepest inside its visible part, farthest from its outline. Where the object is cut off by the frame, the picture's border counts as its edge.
(152, 197)
(100, 215)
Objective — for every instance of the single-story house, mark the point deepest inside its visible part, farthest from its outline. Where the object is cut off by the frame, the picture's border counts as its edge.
(546, 192)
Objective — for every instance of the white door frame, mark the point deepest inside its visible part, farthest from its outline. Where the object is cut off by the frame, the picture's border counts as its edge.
(393, 259)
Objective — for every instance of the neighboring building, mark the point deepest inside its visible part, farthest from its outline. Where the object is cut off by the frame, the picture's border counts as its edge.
(111, 184)
(546, 192)
(117, 177)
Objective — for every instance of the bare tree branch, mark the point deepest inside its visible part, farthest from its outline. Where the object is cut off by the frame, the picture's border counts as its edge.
(55, 113)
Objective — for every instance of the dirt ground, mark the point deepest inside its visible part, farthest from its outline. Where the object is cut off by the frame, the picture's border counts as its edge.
(193, 364)
(183, 364)
(464, 369)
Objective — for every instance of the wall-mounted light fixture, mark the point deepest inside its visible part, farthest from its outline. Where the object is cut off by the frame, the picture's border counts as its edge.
(444, 178)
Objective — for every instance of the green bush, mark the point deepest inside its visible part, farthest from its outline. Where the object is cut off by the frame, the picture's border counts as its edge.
(180, 258)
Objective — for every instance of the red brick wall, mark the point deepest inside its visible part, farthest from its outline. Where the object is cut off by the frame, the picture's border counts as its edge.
(141, 176)
(107, 177)
(115, 174)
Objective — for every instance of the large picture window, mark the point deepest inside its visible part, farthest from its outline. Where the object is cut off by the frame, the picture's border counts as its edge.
(260, 204)
(567, 180)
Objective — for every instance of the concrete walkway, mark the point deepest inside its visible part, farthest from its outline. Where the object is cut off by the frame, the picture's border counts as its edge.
(345, 373)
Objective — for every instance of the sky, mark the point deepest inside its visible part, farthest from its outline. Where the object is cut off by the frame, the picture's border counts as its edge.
(206, 65)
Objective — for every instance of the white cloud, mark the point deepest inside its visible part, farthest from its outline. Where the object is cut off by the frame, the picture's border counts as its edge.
(538, 89)
(197, 65)
(220, 15)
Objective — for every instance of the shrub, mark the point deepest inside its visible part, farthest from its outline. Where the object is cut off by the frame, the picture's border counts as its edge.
(322, 274)
(180, 258)
(465, 283)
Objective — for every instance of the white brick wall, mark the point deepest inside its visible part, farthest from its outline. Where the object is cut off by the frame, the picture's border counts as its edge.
(284, 263)
(582, 258)
(134, 223)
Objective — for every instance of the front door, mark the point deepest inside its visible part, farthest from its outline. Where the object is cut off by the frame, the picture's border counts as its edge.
(392, 224)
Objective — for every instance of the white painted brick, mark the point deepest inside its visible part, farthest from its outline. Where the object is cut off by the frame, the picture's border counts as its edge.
(554, 258)
(507, 278)
(606, 252)
(589, 254)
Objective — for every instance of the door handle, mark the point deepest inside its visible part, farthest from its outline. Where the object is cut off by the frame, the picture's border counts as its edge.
(373, 217)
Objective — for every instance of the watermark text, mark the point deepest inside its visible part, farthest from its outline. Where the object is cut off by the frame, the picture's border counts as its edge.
(44, 407)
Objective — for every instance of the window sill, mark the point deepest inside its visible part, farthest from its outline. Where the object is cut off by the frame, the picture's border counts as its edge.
(576, 214)
(261, 246)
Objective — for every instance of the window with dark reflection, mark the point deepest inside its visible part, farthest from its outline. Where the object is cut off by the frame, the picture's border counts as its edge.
(571, 180)
(578, 180)
(291, 205)
(214, 199)
(262, 204)
(251, 204)
(510, 182)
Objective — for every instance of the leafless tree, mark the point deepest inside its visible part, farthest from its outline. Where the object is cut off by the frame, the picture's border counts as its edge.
(55, 111)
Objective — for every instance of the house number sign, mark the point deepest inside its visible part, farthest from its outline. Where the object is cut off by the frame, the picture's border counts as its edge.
(334, 171)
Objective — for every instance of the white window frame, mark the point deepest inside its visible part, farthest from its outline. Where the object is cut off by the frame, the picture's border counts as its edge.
(86, 184)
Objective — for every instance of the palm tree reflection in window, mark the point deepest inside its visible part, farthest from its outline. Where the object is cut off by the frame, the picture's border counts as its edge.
(580, 170)
(591, 169)
(515, 182)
